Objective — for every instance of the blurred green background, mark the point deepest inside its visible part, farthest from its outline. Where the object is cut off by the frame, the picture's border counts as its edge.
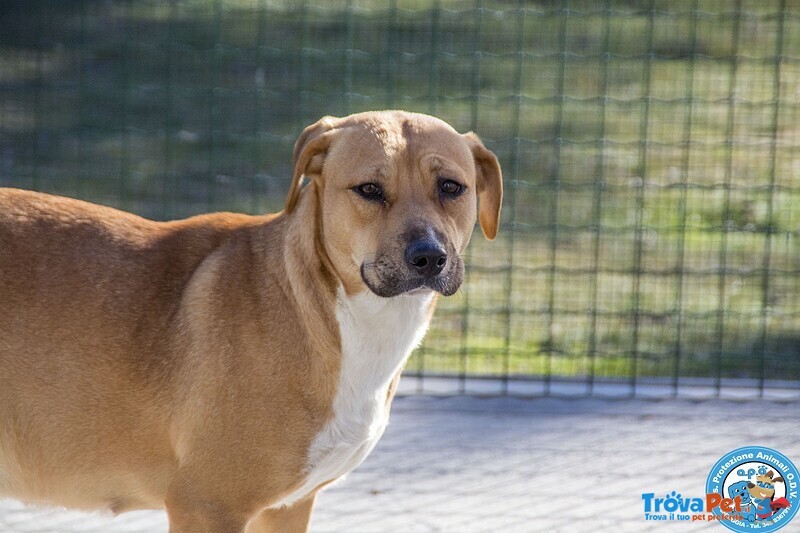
(652, 210)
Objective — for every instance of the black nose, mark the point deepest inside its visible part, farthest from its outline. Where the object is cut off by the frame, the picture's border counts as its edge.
(426, 257)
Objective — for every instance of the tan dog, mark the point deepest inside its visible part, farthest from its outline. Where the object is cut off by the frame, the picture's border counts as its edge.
(229, 366)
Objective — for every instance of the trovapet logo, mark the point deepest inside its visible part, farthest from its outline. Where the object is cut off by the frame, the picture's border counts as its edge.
(748, 489)
(763, 484)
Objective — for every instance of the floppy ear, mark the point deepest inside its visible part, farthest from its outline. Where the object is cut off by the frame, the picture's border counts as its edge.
(490, 185)
(308, 157)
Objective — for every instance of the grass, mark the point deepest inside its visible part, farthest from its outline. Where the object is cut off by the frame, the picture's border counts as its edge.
(674, 256)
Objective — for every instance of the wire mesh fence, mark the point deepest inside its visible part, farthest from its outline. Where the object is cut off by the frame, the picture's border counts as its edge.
(649, 238)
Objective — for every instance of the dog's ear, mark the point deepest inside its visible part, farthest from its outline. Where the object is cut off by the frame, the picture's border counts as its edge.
(490, 185)
(308, 156)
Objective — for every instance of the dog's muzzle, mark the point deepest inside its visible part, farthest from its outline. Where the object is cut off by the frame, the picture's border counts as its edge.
(425, 264)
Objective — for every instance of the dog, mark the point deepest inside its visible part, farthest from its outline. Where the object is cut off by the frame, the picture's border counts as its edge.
(227, 367)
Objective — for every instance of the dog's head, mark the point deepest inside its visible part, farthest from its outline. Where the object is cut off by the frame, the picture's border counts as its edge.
(739, 490)
(398, 195)
(764, 487)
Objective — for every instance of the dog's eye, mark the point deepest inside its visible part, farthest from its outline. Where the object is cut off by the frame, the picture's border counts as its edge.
(370, 191)
(450, 187)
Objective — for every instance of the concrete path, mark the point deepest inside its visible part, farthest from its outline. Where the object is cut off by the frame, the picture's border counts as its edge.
(465, 464)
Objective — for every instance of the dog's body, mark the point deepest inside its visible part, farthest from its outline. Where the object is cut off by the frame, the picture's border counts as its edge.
(228, 366)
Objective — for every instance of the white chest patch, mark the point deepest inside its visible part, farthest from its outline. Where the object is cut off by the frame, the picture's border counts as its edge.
(378, 335)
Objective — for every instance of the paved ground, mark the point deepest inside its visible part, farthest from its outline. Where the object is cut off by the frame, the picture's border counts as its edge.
(501, 464)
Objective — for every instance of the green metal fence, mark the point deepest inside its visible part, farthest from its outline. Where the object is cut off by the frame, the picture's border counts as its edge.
(652, 212)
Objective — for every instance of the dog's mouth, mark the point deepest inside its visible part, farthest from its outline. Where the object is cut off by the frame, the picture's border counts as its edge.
(387, 279)
(764, 493)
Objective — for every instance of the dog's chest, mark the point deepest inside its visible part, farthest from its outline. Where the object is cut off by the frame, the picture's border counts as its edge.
(377, 335)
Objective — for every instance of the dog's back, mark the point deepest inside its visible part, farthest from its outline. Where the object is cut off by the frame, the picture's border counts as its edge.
(69, 267)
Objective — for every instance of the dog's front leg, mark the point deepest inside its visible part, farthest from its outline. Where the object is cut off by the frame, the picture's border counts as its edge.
(292, 519)
(193, 510)
(204, 517)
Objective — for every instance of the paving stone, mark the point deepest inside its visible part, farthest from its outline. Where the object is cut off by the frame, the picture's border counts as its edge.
(467, 464)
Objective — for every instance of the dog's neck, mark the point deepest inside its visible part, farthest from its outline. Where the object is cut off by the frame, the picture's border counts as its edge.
(310, 281)
(377, 336)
